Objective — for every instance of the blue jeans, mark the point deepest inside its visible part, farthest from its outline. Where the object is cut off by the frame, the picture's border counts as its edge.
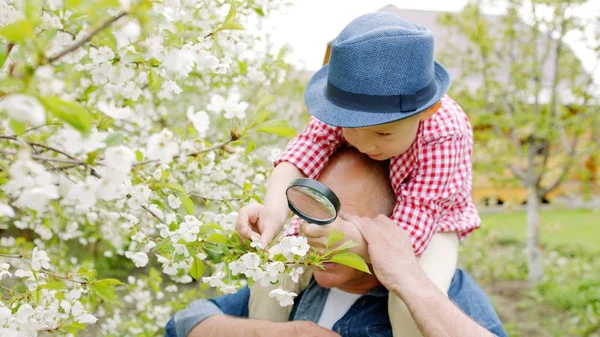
(367, 317)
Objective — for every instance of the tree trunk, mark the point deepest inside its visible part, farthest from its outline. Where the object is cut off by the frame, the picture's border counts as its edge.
(534, 253)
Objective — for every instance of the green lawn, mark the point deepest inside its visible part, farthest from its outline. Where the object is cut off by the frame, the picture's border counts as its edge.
(572, 228)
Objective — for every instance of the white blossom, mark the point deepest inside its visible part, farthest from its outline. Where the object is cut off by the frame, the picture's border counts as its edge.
(6, 210)
(119, 158)
(200, 120)
(24, 108)
(233, 107)
(110, 109)
(140, 259)
(162, 146)
(285, 298)
(102, 54)
(295, 273)
(4, 270)
(39, 259)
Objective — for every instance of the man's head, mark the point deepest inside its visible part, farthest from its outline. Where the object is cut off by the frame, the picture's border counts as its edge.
(363, 187)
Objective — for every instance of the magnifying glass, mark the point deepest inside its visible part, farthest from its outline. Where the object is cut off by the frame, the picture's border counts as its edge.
(312, 201)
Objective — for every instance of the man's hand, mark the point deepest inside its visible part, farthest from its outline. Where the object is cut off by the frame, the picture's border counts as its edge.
(317, 236)
(391, 252)
(256, 218)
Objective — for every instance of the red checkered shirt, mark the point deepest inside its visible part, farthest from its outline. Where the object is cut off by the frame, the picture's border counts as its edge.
(431, 180)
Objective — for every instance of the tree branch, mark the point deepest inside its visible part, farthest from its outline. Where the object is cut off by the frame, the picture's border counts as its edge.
(153, 214)
(66, 278)
(212, 148)
(56, 160)
(565, 170)
(86, 39)
(517, 172)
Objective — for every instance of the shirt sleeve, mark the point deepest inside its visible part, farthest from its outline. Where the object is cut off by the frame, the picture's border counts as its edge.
(199, 310)
(424, 200)
(310, 151)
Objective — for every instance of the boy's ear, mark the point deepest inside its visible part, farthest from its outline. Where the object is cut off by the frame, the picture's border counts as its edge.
(425, 115)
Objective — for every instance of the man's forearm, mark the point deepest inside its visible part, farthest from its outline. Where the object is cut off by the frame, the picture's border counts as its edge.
(228, 326)
(435, 314)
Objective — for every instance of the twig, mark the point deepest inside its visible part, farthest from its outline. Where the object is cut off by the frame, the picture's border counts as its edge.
(212, 148)
(12, 256)
(213, 199)
(40, 145)
(86, 39)
(20, 257)
(9, 290)
(56, 160)
(153, 214)
(39, 127)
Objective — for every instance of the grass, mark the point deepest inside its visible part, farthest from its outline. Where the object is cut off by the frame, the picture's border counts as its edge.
(566, 302)
(577, 228)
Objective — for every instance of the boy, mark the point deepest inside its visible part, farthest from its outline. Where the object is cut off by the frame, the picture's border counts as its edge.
(383, 93)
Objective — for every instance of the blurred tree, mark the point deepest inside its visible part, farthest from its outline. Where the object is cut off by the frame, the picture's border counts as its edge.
(532, 103)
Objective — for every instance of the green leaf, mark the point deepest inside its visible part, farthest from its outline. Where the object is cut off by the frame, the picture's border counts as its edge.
(18, 32)
(197, 269)
(106, 289)
(3, 54)
(278, 127)
(351, 260)
(75, 327)
(17, 127)
(334, 237)
(266, 100)
(115, 138)
(175, 187)
(230, 22)
(108, 281)
(187, 203)
(259, 11)
(251, 146)
(54, 285)
(346, 245)
(232, 25)
(139, 156)
(71, 4)
(12, 84)
(70, 112)
(217, 238)
(247, 186)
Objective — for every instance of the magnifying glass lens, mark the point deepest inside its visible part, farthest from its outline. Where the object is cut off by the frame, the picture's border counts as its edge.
(312, 201)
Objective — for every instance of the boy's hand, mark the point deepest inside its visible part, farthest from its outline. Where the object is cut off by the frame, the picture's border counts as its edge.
(255, 218)
(317, 236)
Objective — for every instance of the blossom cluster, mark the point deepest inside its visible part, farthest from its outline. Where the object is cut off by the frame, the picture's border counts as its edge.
(125, 152)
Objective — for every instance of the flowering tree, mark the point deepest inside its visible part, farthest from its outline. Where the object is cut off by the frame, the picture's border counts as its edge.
(130, 133)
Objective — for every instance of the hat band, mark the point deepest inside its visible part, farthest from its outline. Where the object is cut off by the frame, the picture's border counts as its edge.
(376, 103)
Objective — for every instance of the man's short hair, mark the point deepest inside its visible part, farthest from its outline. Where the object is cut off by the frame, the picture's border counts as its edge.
(368, 176)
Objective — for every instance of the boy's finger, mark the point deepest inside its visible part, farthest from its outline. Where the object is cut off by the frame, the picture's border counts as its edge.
(268, 233)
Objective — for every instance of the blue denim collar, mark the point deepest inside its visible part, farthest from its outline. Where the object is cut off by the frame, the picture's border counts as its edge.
(312, 300)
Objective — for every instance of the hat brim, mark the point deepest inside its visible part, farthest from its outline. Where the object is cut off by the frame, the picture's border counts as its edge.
(319, 106)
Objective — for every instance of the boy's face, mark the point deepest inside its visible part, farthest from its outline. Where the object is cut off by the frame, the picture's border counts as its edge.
(382, 142)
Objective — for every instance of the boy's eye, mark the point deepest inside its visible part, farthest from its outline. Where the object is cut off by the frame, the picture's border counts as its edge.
(383, 133)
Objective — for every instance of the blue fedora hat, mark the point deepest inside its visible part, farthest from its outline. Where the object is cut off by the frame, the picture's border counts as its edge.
(381, 70)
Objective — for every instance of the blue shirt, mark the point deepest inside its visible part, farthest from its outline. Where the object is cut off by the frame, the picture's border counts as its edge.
(367, 317)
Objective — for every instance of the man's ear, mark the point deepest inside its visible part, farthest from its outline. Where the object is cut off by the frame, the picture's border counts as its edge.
(425, 115)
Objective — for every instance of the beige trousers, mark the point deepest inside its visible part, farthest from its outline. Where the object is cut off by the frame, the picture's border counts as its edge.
(438, 263)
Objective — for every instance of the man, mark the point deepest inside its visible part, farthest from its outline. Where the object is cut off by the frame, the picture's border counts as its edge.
(356, 305)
